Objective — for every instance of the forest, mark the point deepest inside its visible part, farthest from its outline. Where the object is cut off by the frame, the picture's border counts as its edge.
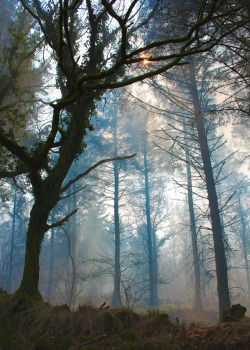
(124, 174)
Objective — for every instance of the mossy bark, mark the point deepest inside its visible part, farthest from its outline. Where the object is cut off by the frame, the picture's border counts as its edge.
(47, 194)
(35, 235)
(12, 244)
(51, 264)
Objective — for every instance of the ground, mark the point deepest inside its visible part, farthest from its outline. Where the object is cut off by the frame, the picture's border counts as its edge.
(29, 324)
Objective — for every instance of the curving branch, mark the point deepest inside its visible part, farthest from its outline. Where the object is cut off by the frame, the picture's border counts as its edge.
(71, 182)
(19, 151)
(11, 174)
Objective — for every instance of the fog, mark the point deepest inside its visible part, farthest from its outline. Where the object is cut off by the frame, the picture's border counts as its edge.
(78, 260)
(139, 232)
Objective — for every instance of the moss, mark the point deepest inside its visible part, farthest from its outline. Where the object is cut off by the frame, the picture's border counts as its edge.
(9, 325)
(117, 343)
(6, 338)
(150, 344)
(63, 307)
(35, 296)
(43, 327)
(15, 319)
(235, 313)
(3, 292)
(44, 343)
(128, 335)
(164, 317)
(3, 298)
(20, 302)
(66, 342)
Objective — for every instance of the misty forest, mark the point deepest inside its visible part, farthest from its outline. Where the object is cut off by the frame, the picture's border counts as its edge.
(124, 174)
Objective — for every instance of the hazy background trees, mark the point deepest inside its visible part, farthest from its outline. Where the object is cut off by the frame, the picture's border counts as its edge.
(138, 238)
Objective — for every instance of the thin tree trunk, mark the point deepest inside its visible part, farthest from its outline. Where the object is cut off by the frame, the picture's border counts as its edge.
(219, 249)
(153, 294)
(196, 262)
(244, 245)
(12, 243)
(72, 242)
(116, 300)
(155, 266)
(73, 231)
(71, 295)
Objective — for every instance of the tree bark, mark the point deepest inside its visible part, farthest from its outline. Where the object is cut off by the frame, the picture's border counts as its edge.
(35, 235)
(244, 244)
(116, 300)
(196, 262)
(155, 266)
(51, 263)
(153, 293)
(12, 244)
(47, 194)
(219, 249)
(71, 294)
(71, 233)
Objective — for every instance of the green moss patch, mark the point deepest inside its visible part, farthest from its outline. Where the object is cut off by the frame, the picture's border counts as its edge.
(235, 313)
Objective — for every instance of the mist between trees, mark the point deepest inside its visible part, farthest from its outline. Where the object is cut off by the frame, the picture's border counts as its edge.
(123, 150)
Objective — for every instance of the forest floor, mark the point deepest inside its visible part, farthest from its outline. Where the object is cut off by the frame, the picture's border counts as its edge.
(27, 324)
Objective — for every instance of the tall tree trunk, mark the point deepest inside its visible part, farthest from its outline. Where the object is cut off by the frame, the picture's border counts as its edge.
(71, 233)
(153, 293)
(196, 262)
(12, 243)
(244, 244)
(155, 265)
(219, 249)
(51, 263)
(73, 280)
(116, 300)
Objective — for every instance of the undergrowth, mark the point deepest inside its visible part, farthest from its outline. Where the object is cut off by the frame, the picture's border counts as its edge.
(32, 324)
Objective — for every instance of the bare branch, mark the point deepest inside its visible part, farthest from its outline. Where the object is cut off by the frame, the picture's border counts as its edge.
(62, 222)
(71, 194)
(221, 209)
(71, 182)
(11, 174)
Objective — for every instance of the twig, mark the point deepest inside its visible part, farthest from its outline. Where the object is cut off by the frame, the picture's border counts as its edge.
(16, 184)
(78, 346)
(83, 188)
(62, 222)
